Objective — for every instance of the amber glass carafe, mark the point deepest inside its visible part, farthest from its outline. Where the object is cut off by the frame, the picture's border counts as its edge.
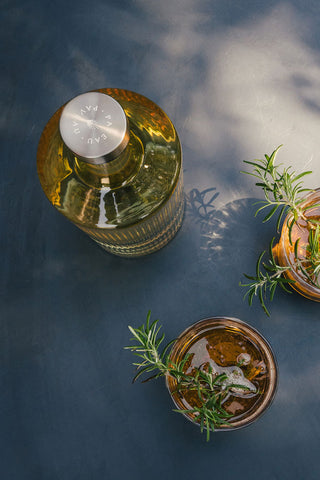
(110, 161)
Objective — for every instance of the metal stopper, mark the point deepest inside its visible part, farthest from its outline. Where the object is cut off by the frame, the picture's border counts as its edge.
(94, 127)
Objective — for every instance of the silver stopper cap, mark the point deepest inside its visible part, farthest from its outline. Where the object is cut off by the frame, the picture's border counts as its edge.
(94, 127)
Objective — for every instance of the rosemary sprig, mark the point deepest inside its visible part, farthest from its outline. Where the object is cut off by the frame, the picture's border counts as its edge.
(147, 348)
(313, 250)
(282, 189)
(309, 264)
(211, 388)
(284, 195)
(268, 276)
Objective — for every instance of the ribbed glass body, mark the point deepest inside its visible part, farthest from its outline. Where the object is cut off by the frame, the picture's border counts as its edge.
(132, 205)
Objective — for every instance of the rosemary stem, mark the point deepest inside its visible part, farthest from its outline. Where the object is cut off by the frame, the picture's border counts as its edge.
(283, 190)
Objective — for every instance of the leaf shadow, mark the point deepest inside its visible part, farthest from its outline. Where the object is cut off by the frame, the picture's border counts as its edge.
(230, 236)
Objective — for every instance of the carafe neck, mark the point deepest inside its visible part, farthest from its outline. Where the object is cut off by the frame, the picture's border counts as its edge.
(115, 173)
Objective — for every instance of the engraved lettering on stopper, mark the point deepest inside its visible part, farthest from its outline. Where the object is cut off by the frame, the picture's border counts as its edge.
(94, 127)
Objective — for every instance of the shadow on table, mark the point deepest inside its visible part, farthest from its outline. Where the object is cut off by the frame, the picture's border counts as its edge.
(229, 241)
(230, 233)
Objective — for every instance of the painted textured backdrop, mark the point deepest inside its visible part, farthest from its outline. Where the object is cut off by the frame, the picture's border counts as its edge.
(237, 79)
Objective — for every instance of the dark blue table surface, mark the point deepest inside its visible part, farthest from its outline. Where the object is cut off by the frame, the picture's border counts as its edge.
(237, 79)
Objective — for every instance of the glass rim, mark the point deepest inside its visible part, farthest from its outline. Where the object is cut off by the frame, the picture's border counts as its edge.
(264, 346)
(298, 277)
